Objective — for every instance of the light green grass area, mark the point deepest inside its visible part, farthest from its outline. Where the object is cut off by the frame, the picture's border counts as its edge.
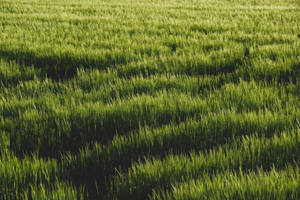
(169, 99)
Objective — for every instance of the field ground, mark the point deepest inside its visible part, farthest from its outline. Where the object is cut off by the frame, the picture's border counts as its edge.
(169, 99)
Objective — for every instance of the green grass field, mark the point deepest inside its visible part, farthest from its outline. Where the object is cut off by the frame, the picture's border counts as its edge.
(157, 100)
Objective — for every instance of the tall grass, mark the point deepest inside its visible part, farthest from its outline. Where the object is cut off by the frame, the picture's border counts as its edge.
(253, 152)
(192, 135)
(149, 99)
(276, 184)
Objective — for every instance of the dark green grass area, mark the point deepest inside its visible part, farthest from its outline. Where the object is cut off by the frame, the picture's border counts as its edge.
(150, 99)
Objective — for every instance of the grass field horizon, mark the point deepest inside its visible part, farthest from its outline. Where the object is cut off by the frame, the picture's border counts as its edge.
(171, 99)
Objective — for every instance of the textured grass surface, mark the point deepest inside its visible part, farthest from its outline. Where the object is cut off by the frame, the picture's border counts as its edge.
(149, 99)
